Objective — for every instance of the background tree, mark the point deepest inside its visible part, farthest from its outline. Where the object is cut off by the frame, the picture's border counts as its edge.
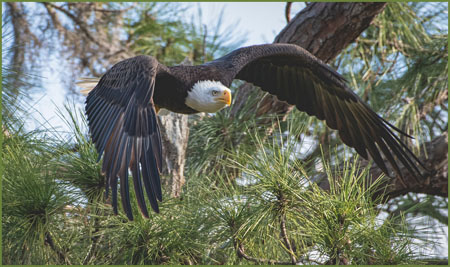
(250, 196)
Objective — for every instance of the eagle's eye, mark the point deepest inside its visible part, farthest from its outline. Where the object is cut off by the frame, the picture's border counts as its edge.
(215, 92)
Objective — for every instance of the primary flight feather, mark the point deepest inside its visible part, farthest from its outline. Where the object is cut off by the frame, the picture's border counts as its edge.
(122, 108)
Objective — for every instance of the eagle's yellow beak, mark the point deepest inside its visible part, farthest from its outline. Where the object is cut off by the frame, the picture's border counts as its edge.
(225, 97)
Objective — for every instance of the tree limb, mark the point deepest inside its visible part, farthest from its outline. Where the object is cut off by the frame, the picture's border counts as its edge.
(80, 23)
(286, 241)
(49, 241)
(287, 11)
(241, 254)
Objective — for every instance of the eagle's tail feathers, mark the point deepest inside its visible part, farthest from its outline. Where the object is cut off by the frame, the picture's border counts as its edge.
(87, 84)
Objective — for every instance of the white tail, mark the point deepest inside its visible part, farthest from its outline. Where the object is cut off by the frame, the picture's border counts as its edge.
(87, 84)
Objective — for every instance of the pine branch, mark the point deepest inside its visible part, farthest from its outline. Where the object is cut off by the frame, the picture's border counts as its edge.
(95, 241)
(241, 254)
(283, 231)
(286, 241)
(49, 241)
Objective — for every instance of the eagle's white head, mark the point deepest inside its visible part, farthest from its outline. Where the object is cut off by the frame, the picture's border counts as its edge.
(208, 96)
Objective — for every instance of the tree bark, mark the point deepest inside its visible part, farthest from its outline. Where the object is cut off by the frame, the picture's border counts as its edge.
(174, 135)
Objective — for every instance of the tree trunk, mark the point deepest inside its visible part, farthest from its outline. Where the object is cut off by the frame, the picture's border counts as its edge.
(174, 135)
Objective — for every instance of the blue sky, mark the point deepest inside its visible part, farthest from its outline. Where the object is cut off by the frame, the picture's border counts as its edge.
(261, 21)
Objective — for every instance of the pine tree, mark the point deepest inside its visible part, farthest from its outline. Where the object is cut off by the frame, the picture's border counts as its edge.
(263, 186)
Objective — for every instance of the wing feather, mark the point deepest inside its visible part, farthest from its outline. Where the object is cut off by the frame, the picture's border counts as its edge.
(123, 126)
(136, 173)
(294, 75)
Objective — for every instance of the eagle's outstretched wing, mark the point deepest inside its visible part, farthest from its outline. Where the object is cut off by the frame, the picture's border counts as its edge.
(123, 125)
(297, 77)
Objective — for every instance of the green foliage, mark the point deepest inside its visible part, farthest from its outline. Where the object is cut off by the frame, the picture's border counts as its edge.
(208, 224)
(276, 201)
(250, 198)
(77, 161)
(14, 81)
(403, 70)
(170, 237)
(33, 200)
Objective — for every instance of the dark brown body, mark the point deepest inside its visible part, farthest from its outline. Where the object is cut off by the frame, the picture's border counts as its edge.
(173, 86)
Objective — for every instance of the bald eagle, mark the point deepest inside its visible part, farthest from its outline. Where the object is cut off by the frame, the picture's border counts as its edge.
(122, 106)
